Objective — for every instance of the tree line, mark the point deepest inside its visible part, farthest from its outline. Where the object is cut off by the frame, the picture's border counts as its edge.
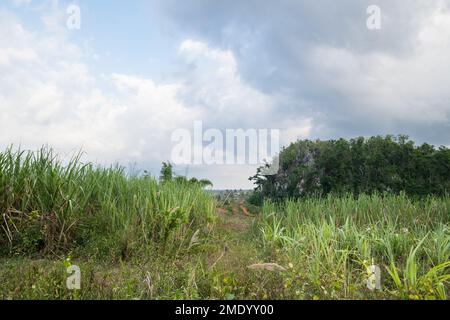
(361, 165)
(167, 174)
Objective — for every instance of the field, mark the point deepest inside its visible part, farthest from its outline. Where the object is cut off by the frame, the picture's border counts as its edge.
(331, 242)
(136, 238)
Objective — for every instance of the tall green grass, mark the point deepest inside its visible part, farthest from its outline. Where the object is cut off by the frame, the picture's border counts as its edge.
(336, 238)
(58, 209)
(48, 206)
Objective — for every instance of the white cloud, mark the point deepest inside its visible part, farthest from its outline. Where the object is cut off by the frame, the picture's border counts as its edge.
(295, 130)
(50, 95)
(411, 88)
(214, 82)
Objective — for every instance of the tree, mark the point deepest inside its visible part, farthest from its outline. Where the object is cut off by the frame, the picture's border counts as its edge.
(205, 183)
(166, 172)
(377, 164)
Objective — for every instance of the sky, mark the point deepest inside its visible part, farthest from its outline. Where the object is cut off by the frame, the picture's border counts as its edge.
(136, 71)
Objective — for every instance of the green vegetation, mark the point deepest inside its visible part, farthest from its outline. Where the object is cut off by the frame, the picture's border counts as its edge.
(168, 176)
(359, 166)
(333, 240)
(51, 208)
(134, 237)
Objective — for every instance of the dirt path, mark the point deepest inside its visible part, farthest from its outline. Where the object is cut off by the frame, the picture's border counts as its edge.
(236, 245)
(238, 219)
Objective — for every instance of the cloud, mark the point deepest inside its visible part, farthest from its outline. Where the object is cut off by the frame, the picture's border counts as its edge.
(50, 95)
(313, 71)
(330, 68)
(407, 92)
(214, 83)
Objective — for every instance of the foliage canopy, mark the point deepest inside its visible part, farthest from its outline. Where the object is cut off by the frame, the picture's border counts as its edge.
(377, 164)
